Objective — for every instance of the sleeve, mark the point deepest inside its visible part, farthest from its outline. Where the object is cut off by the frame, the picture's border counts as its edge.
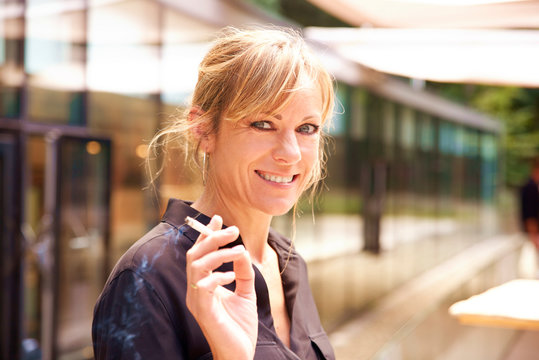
(131, 322)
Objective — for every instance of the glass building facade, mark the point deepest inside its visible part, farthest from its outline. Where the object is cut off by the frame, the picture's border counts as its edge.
(84, 85)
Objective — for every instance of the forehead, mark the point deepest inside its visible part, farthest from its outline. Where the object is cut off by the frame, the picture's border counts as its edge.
(306, 98)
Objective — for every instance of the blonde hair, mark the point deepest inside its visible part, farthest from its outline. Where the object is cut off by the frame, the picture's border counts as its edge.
(246, 72)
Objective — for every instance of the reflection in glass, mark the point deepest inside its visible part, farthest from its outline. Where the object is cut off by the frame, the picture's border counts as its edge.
(11, 70)
(388, 130)
(34, 210)
(123, 50)
(83, 229)
(180, 64)
(489, 162)
(407, 128)
(426, 137)
(55, 51)
(185, 42)
(124, 77)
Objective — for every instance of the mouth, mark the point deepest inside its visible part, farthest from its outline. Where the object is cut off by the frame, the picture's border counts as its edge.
(276, 178)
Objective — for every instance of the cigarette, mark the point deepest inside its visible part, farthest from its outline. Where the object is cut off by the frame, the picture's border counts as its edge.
(198, 226)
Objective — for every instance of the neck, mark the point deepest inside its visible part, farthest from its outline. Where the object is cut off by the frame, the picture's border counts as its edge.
(253, 224)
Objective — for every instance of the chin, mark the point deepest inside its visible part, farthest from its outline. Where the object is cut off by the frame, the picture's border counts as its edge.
(278, 208)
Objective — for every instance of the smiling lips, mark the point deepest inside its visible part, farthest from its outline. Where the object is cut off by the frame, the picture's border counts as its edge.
(276, 178)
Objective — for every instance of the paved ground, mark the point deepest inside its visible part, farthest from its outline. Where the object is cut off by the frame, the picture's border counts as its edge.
(413, 319)
(526, 347)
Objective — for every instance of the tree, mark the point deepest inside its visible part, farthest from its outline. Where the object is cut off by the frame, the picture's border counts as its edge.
(517, 109)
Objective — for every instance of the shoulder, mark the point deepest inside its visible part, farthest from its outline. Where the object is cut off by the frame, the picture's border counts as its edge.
(149, 280)
(160, 248)
(145, 295)
(163, 247)
(153, 267)
(530, 184)
(529, 192)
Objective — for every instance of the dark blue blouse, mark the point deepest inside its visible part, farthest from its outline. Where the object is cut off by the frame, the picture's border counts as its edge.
(141, 313)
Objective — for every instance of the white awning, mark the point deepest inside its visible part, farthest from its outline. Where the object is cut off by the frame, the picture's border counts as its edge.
(435, 13)
(498, 57)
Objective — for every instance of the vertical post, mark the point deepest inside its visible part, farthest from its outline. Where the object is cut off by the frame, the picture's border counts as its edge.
(373, 179)
(84, 45)
(10, 241)
(48, 248)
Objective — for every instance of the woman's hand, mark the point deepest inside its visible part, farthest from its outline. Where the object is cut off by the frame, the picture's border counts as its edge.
(228, 319)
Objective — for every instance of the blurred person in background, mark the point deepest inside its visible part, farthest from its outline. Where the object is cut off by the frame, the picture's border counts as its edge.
(240, 291)
(529, 205)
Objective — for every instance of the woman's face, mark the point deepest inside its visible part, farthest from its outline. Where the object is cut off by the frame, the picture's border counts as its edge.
(264, 163)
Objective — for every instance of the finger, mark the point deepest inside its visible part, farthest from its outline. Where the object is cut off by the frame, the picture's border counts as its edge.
(245, 275)
(199, 294)
(212, 243)
(216, 223)
(203, 266)
(211, 282)
(203, 247)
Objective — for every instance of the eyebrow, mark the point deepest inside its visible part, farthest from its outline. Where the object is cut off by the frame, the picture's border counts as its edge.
(279, 116)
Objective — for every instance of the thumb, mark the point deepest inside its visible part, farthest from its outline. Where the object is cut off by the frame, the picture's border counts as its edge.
(245, 276)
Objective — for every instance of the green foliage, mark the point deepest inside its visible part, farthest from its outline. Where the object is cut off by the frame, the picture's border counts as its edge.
(300, 11)
(273, 6)
(460, 93)
(518, 109)
(308, 14)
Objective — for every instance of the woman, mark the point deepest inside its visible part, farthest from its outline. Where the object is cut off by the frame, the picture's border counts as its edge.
(240, 292)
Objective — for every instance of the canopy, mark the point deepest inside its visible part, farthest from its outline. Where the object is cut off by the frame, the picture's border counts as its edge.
(435, 13)
(498, 57)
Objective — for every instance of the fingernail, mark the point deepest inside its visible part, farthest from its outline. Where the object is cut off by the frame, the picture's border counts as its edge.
(231, 229)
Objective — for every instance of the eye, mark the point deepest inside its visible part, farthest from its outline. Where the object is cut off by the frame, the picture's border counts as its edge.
(262, 125)
(308, 129)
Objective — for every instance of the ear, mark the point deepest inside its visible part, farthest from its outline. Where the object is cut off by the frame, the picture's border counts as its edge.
(201, 129)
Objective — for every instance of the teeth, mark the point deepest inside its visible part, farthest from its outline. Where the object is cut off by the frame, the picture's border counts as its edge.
(277, 179)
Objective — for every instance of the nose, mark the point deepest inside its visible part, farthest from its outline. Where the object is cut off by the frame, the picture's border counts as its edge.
(287, 150)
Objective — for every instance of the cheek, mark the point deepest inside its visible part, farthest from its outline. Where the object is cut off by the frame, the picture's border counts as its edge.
(310, 153)
(313, 165)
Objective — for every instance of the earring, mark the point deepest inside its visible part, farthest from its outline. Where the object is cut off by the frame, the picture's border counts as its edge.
(204, 169)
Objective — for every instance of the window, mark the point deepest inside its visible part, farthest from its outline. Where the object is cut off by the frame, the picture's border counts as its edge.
(358, 120)
(11, 66)
(55, 53)
(426, 134)
(339, 122)
(388, 117)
